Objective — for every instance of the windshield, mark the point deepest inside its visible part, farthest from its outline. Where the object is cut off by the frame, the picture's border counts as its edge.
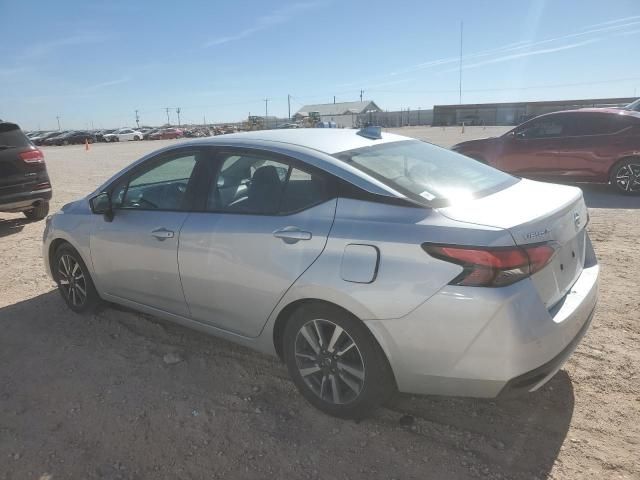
(426, 173)
(634, 106)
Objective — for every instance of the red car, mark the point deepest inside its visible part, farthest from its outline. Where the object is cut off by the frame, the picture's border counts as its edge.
(595, 145)
(166, 133)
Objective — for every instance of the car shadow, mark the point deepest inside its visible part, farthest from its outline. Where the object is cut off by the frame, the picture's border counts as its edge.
(520, 435)
(12, 226)
(605, 196)
(95, 375)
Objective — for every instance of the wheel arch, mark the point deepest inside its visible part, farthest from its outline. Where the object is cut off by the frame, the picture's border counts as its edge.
(285, 314)
(56, 244)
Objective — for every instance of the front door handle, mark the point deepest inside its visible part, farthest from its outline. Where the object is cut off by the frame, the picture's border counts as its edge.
(292, 234)
(162, 233)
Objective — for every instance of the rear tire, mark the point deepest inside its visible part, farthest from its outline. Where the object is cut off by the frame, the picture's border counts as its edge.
(336, 362)
(39, 212)
(625, 176)
(74, 281)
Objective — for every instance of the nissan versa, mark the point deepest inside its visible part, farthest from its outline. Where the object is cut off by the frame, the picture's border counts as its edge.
(367, 261)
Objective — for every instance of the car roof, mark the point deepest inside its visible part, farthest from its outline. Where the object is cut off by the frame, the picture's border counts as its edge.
(313, 146)
(326, 140)
(602, 110)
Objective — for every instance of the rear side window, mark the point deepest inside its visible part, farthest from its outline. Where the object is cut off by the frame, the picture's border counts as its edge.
(598, 124)
(12, 136)
(303, 190)
(263, 185)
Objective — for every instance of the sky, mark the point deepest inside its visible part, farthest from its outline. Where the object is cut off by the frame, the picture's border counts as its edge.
(92, 63)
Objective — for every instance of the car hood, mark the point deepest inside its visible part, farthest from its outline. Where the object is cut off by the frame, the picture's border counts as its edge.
(480, 141)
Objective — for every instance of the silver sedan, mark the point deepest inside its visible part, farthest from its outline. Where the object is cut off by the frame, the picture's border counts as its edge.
(368, 262)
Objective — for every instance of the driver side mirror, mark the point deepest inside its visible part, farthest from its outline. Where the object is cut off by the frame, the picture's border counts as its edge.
(101, 205)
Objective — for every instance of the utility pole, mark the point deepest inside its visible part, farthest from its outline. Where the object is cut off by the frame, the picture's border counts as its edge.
(58, 119)
(361, 94)
(289, 105)
(460, 70)
(266, 110)
(168, 120)
(137, 119)
(334, 99)
(178, 112)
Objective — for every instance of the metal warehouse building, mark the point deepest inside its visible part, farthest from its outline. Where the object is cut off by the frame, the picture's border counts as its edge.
(512, 113)
(345, 114)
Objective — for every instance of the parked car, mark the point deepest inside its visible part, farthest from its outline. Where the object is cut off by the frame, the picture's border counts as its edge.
(73, 137)
(101, 133)
(24, 182)
(594, 145)
(123, 135)
(55, 138)
(39, 139)
(146, 135)
(367, 261)
(166, 134)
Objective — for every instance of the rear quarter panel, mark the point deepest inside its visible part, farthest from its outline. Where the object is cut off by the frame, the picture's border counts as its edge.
(406, 275)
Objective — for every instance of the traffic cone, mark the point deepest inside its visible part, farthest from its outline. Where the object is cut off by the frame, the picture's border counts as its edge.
(86, 144)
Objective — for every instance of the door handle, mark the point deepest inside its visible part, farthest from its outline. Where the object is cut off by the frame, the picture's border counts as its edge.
(162, 233)
(292, 234)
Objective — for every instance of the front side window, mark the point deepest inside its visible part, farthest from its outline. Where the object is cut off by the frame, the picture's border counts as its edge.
(264, 185)
(426, 173)
(162, 186)
(552, 126)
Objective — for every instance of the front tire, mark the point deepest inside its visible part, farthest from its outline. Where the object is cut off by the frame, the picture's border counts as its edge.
(336, 362)
(38, 212)
(73, 279)
(625, 176)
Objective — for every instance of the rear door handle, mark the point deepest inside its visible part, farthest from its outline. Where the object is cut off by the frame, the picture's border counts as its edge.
(292, 234)
(162, 233)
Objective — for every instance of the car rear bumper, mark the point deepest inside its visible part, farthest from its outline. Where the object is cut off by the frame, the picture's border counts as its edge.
(19, 202)
(482, 342)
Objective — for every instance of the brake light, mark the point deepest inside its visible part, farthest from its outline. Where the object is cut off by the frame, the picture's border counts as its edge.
(32, 156)
(42, 186)
(493, 267)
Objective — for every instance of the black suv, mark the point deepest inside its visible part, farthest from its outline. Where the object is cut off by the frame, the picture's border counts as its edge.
(24, 182)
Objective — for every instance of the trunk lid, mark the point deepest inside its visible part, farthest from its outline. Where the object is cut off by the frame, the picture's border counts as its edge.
(535, 212)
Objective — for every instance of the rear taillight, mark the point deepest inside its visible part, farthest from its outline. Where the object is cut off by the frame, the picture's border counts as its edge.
(493, 267)
(42, 186)
(32, 156)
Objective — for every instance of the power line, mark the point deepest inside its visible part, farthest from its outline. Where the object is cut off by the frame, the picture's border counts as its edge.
(178, 112)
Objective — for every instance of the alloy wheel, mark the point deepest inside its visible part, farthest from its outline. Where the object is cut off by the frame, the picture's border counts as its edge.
(628, 177)
(72, 280)
(329, 361)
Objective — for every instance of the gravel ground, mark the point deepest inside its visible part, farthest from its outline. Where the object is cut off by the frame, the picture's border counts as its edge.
(120, 395)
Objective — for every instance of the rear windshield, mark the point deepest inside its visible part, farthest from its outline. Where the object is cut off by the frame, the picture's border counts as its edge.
(12, 136)
(426, 173)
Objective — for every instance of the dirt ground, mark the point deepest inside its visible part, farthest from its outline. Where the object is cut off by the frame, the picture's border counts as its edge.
(90, 397)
